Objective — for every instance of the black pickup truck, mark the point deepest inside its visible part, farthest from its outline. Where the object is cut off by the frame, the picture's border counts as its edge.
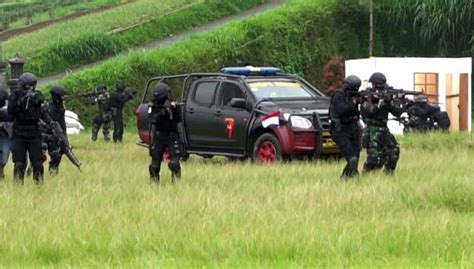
(243, 112)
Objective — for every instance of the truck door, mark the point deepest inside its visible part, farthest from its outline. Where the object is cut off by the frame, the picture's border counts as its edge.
(198, 114)
(229, 122)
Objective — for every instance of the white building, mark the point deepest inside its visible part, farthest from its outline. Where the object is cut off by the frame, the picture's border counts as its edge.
(445, 81)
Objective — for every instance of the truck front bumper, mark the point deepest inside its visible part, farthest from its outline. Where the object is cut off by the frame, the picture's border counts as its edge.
(296, 141)
(304, 141)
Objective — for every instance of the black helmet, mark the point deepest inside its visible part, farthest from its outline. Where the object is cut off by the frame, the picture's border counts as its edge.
(378, 80)
(57, 93)
(161, 91)
(352, 83)
(27, 79)
(101, 87)
(120, 86)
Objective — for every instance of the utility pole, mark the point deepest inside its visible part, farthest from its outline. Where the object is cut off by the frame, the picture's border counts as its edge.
(371, 28)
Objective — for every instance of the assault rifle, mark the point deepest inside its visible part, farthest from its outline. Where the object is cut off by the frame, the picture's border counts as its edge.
(388, 93)
(32, 96)
(62, 141)
(89, 96)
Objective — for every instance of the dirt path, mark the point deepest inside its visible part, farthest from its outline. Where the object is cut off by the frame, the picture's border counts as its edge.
(171, 40)
(4, 36)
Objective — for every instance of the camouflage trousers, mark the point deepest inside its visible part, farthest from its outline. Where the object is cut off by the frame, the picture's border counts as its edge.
(103, 119)
(51, 144)
(382, 149)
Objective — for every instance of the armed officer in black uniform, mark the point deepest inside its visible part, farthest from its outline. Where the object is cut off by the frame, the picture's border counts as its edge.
(117, 101)
(26, 107)
(345, 130)
(56, 111)
(164, 119)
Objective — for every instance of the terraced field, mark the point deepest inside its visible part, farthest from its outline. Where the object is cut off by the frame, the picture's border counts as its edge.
(28, 44)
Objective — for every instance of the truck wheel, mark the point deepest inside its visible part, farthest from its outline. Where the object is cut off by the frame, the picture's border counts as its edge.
(267, 149)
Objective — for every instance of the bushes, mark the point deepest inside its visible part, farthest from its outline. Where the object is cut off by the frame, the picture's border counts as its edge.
(86, 49)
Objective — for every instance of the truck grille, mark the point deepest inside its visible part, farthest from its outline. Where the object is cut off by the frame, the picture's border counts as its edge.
(324, 119)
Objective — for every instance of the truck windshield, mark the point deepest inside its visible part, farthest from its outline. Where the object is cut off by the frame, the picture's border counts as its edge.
(279, 89)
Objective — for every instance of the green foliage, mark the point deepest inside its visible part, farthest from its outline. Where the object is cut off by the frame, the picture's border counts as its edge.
(448, 24)
(85, 49)
(226, 214)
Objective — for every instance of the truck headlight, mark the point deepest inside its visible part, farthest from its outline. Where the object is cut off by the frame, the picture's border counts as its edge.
(300, 122)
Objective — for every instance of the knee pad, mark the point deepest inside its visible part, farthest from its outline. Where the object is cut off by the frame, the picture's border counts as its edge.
(174, 166)
(374, 159)
(154, 167)
(392, 158)
(394, 153)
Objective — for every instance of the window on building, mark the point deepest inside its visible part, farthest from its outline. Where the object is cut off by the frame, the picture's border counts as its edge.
(428, 84)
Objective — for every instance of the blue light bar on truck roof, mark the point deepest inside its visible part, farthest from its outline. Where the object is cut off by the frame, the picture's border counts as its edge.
(250, 70)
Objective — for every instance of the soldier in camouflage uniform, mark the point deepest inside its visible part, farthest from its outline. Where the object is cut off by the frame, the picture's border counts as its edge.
(104, 117)
(382, 148)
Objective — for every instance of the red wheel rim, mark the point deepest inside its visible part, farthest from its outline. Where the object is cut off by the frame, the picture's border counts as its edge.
(166, 155)
(266, 152)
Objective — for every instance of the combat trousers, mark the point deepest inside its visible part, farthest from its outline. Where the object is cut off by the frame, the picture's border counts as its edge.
(383, 150)
(103, 120)
(117, 117)
(55, 153)
(347, 138)
(31, 146)
(157, 149)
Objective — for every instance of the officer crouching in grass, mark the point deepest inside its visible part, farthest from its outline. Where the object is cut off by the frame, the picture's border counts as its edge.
(26, 106)
(164, 119)
(345, 130)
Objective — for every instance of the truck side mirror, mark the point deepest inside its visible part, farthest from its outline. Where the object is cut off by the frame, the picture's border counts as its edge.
(238, 103)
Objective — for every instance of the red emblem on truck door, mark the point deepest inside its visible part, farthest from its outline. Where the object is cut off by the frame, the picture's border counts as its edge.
(229, 122)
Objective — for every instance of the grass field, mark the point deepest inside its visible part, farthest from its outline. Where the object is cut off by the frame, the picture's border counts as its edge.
(228, 214)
